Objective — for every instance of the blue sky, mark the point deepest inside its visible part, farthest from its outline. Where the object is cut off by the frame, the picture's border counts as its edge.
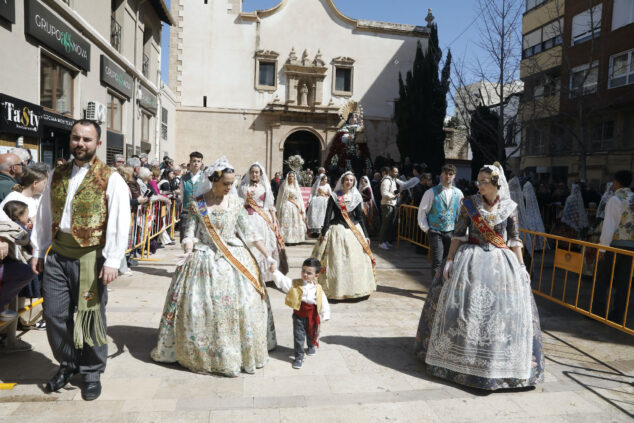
(456, 20)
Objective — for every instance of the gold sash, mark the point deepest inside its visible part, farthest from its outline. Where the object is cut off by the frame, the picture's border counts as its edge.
(355, 231)
(251, 202)
(217, 239)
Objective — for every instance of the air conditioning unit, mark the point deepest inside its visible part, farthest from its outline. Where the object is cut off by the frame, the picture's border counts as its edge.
(96, 111)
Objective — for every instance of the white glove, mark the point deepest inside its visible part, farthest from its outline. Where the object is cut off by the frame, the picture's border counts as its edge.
(182, 258)
(448, 270)
(270, 261)
(526, 277)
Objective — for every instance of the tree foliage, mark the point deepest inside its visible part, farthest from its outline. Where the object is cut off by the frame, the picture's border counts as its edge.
(483, 139)
(422, 105)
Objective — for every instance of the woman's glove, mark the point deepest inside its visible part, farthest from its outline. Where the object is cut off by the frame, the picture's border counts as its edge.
(272, 263)
(526, 277)
(182, 258)
(448, 270)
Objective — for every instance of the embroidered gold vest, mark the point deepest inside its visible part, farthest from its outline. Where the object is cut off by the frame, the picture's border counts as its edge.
(294, 295)
(90, 206)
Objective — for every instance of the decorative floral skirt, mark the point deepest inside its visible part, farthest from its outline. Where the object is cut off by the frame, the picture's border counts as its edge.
(346, 268)
(292, 226)
(214, 321)
(481, 327)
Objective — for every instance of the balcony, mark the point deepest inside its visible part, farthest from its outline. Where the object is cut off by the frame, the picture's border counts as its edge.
(146, 66)
(115, 33)
(541, 62)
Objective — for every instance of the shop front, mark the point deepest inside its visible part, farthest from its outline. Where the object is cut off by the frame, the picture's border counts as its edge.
(55, 138)
(20, 125)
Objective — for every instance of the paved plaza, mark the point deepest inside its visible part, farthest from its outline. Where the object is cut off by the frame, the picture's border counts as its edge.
(364, 370)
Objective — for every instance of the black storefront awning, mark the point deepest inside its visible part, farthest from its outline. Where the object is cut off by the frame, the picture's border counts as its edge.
(56, 120)
(20, 117)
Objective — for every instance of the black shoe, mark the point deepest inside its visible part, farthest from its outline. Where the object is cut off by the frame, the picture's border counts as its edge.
(91, 391)
(297, 363)
(132, 262)
(60, 380)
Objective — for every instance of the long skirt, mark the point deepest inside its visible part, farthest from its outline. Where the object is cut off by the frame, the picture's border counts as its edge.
(214, 321)
(346, 268)
(481, 327)
(292, 226)
(316, 213)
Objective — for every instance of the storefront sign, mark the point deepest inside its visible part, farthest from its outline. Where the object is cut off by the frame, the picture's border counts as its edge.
(19, 117)
(116, 78)
(115, 140)
(57, 121)
(43, 25)
(148, 100)
(7, 10)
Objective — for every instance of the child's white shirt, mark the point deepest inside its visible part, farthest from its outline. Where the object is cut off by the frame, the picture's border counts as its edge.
(309, 292)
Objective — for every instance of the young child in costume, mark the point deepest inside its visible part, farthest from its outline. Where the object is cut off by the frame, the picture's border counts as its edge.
(308, 301)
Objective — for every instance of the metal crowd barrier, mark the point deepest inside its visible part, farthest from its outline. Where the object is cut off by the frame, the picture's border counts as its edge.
(408, 229)
(150, 221)
(568, 272)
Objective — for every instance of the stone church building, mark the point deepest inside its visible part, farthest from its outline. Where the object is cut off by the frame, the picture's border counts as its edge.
(268, 84)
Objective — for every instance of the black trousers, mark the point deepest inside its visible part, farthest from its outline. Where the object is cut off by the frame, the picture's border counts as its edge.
(60, 288)
(300, 328)
(620, 284)
(439, 243)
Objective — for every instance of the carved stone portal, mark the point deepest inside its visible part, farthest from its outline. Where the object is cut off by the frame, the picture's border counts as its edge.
(305, 79)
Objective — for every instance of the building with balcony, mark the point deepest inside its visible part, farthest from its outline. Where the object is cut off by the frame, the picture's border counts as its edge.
(578, 107)
(71, 59)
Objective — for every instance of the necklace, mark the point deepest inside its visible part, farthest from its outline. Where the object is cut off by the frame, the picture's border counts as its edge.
(494, 201)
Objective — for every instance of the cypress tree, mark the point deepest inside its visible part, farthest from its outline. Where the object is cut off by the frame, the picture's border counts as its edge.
(422, 105)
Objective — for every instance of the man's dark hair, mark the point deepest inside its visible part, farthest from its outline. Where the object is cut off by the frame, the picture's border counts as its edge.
(624, 178)
(86, 122)
(449, 168)
(394, 167)
(385, 169)
(195, 154)
(418, 169)
(312, 262)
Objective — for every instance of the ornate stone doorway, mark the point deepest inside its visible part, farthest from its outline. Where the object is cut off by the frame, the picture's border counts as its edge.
(307, 145)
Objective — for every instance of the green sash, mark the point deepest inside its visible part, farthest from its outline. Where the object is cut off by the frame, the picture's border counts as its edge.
(88, 305)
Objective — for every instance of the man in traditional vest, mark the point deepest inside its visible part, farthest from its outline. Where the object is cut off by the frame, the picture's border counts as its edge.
(188, 186)
(618, 232)
(437, 215)
(84, 216)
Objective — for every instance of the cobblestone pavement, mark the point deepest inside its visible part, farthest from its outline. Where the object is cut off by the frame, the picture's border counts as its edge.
(364, 370)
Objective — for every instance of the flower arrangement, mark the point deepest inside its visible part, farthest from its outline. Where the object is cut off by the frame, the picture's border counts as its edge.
(296, 163)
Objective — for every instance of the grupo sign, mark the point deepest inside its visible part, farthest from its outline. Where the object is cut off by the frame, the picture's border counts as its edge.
(42, 24)
(7, 10)
(19, 117)
(115, 77)
(148, 100)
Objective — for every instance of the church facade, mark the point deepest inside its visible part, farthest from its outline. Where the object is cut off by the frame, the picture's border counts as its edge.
(268, 84)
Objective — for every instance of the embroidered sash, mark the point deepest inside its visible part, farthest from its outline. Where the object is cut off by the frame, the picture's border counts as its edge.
(251, 202)
(301, 211)
(355, 231)
(482, 225)
(217, 239)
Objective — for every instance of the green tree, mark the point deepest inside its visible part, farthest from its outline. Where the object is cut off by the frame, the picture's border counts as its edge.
(422, 105)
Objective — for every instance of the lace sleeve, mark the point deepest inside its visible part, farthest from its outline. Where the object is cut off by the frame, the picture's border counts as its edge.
(191, 226)
(460, 231)
(513, 230)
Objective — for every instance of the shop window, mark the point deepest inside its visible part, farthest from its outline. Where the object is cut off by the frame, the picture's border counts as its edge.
(622, 13)
(583, 80)
(586, 25)
(56, 86)
(621, 69)
(115, 113)
(145, 127)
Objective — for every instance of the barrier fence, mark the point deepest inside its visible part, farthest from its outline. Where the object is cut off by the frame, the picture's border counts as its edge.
(148, 222)
(585, 277)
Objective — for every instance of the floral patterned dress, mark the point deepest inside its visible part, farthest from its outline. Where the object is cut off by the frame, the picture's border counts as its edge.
(292, 224)
(214, 320)
(481, 327)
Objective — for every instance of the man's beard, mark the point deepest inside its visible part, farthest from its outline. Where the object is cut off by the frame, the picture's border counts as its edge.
(84, 156)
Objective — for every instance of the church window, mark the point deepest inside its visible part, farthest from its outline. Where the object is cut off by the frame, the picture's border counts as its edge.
(343, 76)
(266, 70)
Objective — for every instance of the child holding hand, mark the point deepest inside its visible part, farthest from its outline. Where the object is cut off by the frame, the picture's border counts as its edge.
(308, 301)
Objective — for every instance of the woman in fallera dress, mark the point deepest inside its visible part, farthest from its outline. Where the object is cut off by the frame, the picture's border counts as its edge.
(215, 315)
(317, 204)
(255, 190)
(344, 246)
(370, 209)
(479, 326)
(290, 210)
